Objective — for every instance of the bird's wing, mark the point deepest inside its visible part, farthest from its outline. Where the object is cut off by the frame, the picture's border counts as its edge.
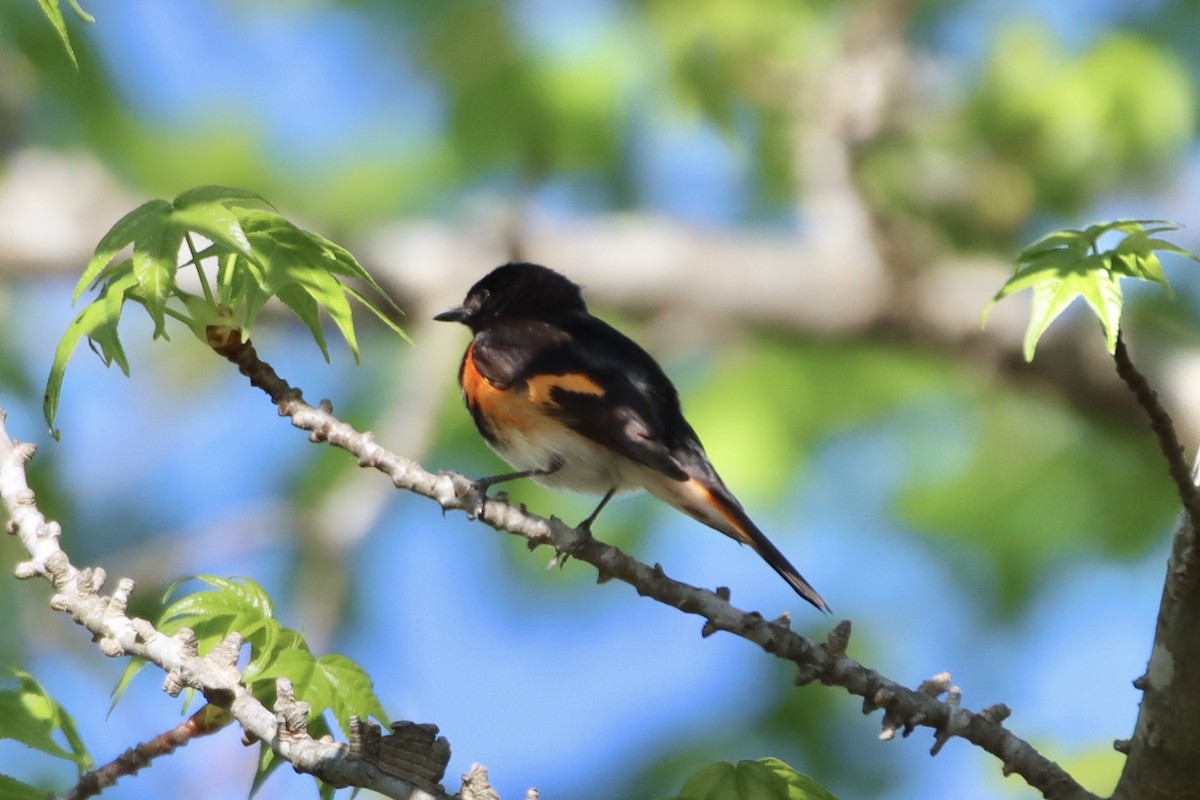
(595, 380)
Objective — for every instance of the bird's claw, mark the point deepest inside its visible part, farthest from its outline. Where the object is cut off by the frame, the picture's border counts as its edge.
(474, 498)
(477, 497)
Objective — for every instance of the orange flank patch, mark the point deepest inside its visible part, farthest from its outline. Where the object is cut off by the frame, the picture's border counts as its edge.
(498, 406)
(541, 387)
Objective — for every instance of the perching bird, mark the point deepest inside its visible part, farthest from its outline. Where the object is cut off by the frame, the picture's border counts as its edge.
(573, 403)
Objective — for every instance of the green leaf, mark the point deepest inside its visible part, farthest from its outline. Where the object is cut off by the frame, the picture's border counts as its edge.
(1068, 264)
(344, 687)
(294, 662)
(800, 786)
(1087, 278)
(98, 322)
(54, 14)
(135, 225)
(228, 196)
(213, 221)
(378, 312)
(134, 666)
(230, 605)
(12, 789)
(238, 605)
(230, 593)
(768, 779)
(30, 716)
(305, 307)
(83, 15)
(332, 682)
(291, 257)
(260, 255)
(1070, 240)
(155, 259)
(268, 762)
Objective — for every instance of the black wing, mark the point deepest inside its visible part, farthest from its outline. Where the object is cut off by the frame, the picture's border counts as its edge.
(592, 378)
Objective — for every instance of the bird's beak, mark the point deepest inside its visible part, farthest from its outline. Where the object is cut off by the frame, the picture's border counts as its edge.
(453, 315)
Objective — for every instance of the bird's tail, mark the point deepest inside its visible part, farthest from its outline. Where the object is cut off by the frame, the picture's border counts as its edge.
(711, 503)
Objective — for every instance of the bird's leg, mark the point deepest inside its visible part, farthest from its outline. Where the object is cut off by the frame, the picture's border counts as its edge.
(586, 525)
(481, 485)
(560, 558)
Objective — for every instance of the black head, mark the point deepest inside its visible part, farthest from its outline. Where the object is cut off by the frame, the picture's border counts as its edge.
(517, 291)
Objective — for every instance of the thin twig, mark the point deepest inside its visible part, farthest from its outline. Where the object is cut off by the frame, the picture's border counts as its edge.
(205, 722)
(1164, 431)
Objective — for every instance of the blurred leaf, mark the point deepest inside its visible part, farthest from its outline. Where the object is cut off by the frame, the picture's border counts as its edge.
(1043, 482)
(55, 15)
(1078, 124)
(800, 786)
(31, 716)
(1097, 769)
(768, 779)
(791, 397)
(268, 762)
(11, 789)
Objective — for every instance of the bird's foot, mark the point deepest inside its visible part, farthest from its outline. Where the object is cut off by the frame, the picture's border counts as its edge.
(477, 496)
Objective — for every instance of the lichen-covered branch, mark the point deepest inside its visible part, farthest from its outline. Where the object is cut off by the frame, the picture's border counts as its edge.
(215, 675)
(905, 709)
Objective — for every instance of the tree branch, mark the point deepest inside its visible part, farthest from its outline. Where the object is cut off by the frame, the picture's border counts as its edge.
(77, 592)
(1164, 432)
(205, 722)
(1163, 761)
(905, 709)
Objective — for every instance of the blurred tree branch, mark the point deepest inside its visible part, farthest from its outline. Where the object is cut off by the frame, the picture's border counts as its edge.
(645, 263)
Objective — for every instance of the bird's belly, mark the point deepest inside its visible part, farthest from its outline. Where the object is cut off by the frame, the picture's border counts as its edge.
(585, 466)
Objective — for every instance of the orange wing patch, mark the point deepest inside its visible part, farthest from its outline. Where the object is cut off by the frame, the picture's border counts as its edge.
(541, 387)
(515, 408)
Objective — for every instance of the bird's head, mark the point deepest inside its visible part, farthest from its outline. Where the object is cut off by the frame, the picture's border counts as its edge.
(516, 291)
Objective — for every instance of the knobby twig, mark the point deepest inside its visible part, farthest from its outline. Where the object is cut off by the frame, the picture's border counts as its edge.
(215, 675)
(905, 709)
(205, 722)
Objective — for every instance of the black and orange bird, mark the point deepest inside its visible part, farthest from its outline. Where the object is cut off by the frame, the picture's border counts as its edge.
(573, 403)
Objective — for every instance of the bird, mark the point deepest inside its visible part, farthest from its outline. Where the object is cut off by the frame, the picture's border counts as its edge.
(572, 403)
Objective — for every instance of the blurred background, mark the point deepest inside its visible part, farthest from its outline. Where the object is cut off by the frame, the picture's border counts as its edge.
(799, 206)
